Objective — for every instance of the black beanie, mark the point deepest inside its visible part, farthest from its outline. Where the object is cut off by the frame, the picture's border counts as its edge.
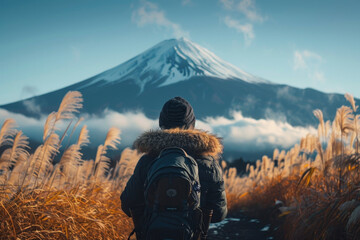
(177, 113)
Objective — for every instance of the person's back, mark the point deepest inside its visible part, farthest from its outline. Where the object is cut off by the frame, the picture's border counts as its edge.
(177, 123)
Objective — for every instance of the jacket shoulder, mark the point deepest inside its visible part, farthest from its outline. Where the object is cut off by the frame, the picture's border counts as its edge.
(209, 169)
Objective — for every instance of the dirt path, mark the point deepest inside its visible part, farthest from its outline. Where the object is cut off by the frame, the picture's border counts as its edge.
(241, 227)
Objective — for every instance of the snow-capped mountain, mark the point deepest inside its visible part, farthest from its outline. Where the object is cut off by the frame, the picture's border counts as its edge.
(179, 67)
(172, 61)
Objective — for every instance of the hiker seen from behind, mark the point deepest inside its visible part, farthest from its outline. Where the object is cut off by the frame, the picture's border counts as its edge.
(177, 187)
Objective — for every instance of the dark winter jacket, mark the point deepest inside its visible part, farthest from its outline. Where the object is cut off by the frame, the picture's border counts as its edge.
(203, 147)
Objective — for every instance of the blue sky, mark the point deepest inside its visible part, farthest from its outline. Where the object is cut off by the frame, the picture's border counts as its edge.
(46, 45)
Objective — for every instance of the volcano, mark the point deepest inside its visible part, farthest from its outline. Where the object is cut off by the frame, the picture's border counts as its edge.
(179, 67)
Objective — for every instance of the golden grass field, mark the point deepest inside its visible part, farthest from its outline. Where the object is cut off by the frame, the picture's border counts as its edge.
(318, 182)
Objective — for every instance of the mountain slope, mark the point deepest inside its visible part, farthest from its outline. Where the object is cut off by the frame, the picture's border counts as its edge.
(178, 67)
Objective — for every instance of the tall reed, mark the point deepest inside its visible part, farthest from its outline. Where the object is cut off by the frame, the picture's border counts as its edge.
(76, 198)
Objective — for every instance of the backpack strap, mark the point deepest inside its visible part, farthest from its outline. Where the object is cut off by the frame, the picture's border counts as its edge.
(207, 215)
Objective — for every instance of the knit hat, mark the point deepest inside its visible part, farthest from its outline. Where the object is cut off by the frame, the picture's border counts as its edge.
(177, 113)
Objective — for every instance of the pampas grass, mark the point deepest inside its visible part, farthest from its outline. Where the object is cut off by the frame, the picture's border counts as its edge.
(7, 131)
(102, 163)
(12, 155)
(76, 198)
(318, 181)
(64, 214)
(70, 104)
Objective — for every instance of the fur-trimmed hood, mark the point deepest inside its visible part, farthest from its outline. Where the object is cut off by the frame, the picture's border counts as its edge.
(194, 142)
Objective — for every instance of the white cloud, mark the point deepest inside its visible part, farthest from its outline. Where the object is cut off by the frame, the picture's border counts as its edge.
(22, 121)
(247, 133)
(31, 106)
(245, 7)
(30, 126)
(131, 124)
(248, 16)
(302, 59)
(310, 62)
(149, 13)
(246, 29)
(239, 133)
(275, 115)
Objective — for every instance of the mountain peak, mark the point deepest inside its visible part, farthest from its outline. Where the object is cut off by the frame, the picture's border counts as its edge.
(172, 42)
(171, 61)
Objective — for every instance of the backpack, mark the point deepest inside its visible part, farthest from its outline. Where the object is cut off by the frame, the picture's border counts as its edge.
(172, 196)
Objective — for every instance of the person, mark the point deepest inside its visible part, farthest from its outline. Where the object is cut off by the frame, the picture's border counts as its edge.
(177, 122)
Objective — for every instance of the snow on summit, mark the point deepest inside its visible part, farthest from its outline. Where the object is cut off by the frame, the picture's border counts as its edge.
(172, 61)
